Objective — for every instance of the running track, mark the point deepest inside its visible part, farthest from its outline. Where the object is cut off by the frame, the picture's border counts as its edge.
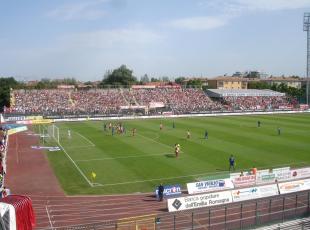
(29, 173)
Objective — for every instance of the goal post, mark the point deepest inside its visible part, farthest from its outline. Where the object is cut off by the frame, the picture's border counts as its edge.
(53, 132)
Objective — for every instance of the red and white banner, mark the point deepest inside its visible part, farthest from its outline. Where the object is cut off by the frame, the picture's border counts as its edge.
(243, 181)
(17, 212)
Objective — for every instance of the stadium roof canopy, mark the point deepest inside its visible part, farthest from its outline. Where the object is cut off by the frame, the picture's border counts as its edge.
(242, 93)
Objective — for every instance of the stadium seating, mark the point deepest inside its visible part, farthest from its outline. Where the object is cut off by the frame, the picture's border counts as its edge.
(112, 101)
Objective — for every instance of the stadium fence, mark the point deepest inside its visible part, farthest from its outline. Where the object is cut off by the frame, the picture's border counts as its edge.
(242, 215)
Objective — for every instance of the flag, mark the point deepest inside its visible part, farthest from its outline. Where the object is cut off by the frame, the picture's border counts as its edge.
(93, 175)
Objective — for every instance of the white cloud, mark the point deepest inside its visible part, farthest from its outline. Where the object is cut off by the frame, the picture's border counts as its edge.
(111, 38)
(89, 10)
(243, 6)
(199, 23)
(229, 9)
(268, 5)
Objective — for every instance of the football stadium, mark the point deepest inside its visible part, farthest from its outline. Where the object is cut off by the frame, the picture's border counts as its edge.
(176, 150)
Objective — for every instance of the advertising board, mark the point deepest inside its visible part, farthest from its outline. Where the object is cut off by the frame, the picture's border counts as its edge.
(199, 201)
(170, 191)
(244, 181)
(270, 175)
(294, 186)
(300, 173)
(254, 192)
(208, 186)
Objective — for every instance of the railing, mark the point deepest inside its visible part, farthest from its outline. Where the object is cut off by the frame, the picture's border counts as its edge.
(242, 215)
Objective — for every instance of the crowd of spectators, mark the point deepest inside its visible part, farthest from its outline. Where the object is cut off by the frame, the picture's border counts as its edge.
(113, 101)
(258, 102)
(180, 101)
(3, 146)
(41, 101)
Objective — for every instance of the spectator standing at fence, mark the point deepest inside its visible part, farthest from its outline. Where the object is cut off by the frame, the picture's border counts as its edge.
(160, 192)
(254, 170)
(232, 162)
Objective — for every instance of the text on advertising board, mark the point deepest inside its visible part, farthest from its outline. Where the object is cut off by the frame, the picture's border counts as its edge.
(199, 201)
(210, 185)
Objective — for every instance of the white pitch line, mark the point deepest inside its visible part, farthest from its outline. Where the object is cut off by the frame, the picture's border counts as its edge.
(76, 166)
(124, 157)
(154, 179)
(49, 218)
(85, 138)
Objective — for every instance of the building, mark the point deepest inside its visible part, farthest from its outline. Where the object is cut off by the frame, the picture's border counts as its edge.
(289, 81)
(228, 83)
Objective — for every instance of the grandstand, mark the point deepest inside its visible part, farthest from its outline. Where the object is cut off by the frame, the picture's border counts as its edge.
(144, 101)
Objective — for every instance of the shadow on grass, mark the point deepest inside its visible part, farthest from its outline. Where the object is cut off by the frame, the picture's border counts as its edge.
(170, 155)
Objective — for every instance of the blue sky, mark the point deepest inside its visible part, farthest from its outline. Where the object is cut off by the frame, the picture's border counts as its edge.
(85, 38)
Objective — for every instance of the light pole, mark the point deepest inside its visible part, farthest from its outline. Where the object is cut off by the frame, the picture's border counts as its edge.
(307, 28)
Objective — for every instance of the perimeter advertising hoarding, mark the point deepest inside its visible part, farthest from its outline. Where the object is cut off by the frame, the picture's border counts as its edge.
(199, 201)
(254, 192)
(294, 186)
(243, 181)
(300, 173)
(270, 175)
(209, 186)
(170, 191)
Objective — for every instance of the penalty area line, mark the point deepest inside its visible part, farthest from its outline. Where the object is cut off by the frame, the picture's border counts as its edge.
(76, 166)
(85, 138)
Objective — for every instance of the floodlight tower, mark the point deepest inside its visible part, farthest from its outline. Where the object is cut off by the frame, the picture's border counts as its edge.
(307, 28)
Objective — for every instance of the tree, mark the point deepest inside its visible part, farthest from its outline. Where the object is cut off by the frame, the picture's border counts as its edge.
(258, 85)
(195, 83)
(145, 78)
(5, 85)
(179, 80)
(153, 79)
(121, 76)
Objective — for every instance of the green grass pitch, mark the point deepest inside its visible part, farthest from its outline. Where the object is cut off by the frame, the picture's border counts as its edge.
(127, 164)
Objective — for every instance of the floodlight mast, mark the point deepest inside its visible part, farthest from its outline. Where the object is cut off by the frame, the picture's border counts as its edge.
(307, 28)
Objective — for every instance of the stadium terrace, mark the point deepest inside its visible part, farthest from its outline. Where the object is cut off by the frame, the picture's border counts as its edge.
(144, 101)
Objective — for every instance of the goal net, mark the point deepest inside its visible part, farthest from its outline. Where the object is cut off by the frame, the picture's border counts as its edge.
(53, 132)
